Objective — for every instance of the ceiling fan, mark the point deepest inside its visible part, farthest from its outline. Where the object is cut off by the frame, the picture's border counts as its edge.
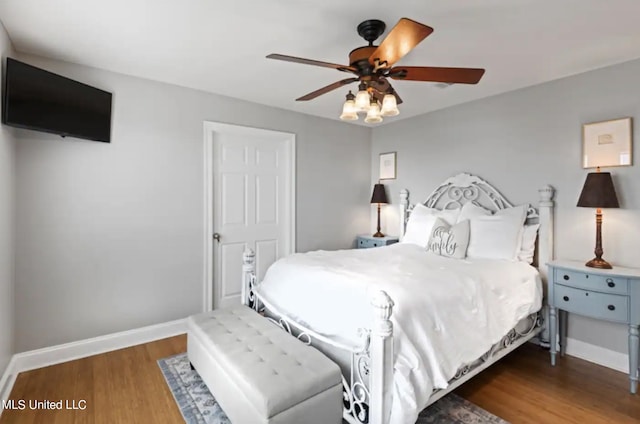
(373, 66)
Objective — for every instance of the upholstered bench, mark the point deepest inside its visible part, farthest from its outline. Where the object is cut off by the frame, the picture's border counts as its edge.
(261, 374)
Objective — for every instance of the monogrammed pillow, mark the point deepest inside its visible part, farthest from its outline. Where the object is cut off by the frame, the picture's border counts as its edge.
(449, 241)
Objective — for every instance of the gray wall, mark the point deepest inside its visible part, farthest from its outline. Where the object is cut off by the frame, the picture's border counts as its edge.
(7, 207)
(110, 236)
(520, 141)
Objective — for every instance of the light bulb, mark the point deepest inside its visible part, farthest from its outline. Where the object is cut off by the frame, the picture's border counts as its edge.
(389, 106)
(349, 108)
(373, 115)
(362, 98)
(349, 111)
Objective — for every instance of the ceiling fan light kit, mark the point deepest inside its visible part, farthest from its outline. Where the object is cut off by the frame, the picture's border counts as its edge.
(389, 106)
(349, 110)
(363, 99)
(373, 67)
(373, 114)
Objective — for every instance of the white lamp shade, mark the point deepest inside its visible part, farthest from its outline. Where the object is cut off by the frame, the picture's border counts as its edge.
(349, 111)
(389, 105)
(362, 101)
(373, 114)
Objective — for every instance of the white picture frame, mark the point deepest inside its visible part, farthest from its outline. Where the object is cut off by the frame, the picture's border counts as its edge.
(387, 166)
(607, 143)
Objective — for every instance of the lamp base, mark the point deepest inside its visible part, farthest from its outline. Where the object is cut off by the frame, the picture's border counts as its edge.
(598, 263)
(378, 234)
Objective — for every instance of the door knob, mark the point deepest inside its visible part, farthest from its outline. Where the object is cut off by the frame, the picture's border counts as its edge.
(216, 237)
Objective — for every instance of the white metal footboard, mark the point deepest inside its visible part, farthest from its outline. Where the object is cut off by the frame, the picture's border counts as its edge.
(367, 389)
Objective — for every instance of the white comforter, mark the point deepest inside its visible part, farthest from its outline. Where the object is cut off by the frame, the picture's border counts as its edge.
(447, 312)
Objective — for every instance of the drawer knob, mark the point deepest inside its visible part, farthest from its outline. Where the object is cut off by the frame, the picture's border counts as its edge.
(610, 282)
(565, 298)
(611, 307)
(566, 277)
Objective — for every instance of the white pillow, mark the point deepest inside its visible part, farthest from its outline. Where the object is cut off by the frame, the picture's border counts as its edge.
(528, 246)
(471, 210)
(450, 216)
(419, 225)
(497, 236)
(449, 241)
(421, 222)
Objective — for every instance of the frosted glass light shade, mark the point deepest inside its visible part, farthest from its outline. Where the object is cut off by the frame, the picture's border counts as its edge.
(373, 115)
(349, 111)
(389, 105)
(362, 101)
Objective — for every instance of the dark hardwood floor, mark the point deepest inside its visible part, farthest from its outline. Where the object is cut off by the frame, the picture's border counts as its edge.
(524, 388)
(126, 386)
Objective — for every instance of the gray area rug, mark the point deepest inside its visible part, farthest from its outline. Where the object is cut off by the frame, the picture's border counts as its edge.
(198, 406)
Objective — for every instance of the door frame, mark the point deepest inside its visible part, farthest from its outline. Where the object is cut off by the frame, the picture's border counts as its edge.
(210, 128)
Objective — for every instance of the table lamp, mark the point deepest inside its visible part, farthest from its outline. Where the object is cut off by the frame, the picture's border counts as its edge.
(598, 192)
(379, 196)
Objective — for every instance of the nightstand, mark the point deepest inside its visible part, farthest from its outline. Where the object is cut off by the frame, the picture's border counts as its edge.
(364, 242)
(606, 294)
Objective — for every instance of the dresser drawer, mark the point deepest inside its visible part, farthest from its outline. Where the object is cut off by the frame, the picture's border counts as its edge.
(584, 280)
(611, 307)
(364, 243)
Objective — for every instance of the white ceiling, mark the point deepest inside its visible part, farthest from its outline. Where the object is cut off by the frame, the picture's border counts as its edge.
(220, 46)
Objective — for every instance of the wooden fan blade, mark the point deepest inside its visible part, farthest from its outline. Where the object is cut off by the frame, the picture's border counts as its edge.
(343, 68)
(326, 89)
(401, 40)
(426, 73)
(381, 87)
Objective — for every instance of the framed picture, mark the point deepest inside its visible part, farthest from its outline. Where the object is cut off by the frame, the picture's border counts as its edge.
(606, 143)
(388, 166)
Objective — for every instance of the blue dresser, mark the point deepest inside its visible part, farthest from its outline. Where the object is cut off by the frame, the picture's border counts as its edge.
(606, 294)
(364, 242)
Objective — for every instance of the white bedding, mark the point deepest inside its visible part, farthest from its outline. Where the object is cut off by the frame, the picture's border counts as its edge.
(447, 312)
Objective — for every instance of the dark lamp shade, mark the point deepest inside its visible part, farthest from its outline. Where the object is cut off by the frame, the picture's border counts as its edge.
(379, 194)
(598, 191)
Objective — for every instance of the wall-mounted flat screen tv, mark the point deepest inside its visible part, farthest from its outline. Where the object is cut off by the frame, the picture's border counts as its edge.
(39, 100)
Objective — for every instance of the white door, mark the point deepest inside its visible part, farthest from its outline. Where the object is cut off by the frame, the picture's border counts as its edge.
(253, 198)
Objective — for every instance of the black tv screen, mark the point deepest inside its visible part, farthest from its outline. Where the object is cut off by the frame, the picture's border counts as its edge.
(43, 101)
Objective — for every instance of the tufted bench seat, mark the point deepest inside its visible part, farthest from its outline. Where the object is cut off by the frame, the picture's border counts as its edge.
(261, 374)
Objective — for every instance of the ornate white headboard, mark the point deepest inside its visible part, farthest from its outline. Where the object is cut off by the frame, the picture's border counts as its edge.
(463, 188)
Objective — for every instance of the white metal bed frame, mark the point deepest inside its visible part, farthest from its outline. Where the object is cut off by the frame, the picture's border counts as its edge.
(367, 389)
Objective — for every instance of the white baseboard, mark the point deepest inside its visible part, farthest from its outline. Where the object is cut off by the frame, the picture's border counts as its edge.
(598, 355)
(7, 380)
(39, 358)
(81, 349)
